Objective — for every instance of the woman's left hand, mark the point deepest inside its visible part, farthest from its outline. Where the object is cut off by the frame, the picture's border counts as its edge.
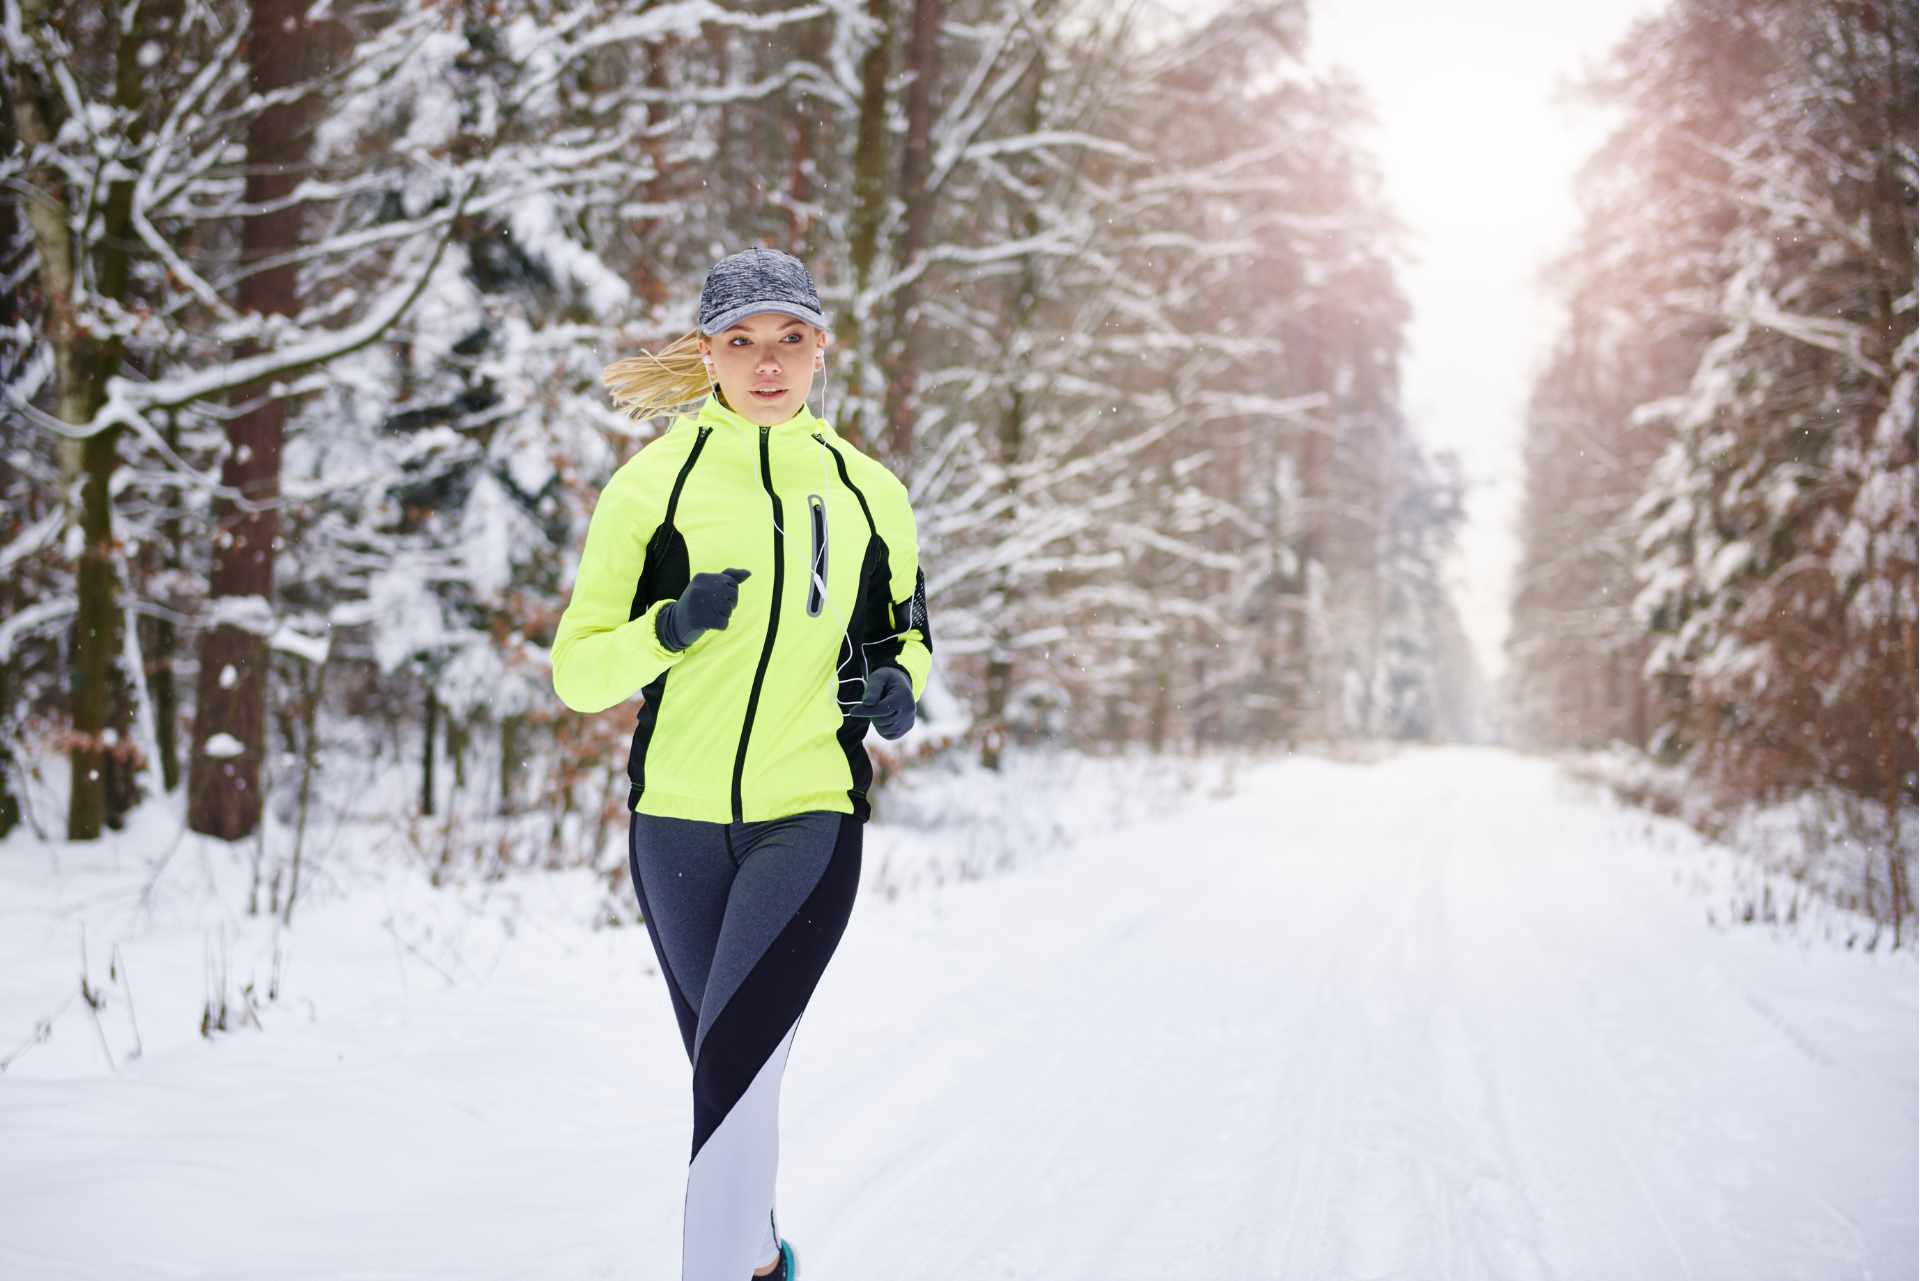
(888, 702)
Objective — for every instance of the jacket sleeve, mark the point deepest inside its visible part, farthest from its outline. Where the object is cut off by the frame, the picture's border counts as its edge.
(600, 657)
(907, 590)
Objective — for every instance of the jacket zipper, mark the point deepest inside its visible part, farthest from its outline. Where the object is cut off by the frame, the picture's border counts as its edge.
(773, 626)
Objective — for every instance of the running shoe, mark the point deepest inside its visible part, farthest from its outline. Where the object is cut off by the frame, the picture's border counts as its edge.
(788, 1270)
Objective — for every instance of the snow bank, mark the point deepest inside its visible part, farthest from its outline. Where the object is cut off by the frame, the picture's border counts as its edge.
(1816, 867)
(154, 938)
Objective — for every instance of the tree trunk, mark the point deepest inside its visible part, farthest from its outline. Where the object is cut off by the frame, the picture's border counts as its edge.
(159, 644)
(1160, 710)
(459, 734)
(37, 119)
(647, 273)
(808, 136)
(313, 685)
(512, 745)
(427, 753)
(1310, 710)
(224, 794)
(19, 506)
(9, 803)
(1004, 601)
(101, 789)
(869, 211)
(923, 59)
(95, 639)
(993, 740)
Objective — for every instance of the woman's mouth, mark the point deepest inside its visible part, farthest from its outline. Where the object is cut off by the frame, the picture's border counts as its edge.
(769, 393)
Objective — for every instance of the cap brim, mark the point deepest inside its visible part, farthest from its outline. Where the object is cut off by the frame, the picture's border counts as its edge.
(734, 315)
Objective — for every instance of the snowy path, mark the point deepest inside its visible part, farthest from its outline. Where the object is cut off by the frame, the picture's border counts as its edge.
(1436, 1018)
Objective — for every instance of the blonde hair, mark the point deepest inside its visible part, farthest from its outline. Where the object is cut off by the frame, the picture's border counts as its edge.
(652, 383)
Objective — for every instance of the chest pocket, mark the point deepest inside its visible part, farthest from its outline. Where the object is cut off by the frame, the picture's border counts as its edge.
(817, 561)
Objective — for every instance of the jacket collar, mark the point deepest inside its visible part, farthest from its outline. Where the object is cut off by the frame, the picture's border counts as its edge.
(717, 416)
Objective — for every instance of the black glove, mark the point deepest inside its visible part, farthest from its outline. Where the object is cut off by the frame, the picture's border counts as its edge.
(888, 702)
(706, 605)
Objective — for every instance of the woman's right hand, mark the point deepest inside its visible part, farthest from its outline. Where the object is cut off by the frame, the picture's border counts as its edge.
(704, 606)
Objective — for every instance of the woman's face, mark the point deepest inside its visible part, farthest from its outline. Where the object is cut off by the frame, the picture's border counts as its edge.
(764, 365)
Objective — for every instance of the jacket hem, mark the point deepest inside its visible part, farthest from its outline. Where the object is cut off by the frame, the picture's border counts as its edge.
(709, 810)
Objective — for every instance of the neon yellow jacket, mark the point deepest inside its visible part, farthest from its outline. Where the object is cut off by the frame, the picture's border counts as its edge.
(747, 723)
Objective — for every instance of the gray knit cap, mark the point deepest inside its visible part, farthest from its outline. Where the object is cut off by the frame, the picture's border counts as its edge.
(756, 280)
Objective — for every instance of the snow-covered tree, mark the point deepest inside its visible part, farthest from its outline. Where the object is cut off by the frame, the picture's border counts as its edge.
(1778, 530)
(1721, 478)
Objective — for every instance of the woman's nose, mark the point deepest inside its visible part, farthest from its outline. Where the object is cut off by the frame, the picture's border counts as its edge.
(769, 363)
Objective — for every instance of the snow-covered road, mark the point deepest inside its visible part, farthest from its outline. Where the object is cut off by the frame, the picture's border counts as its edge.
(1441, 1017)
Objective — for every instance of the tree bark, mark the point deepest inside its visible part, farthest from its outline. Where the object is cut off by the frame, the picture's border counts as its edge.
(9, 802)
(100, 755)
(37, 118)
(869, 211)
(98, 795)
(160, 642)
(512, 751)
(428, 752)
(923, 58)
(1013, 444)
(1160, 707)
(224, 793)
(1004, 601)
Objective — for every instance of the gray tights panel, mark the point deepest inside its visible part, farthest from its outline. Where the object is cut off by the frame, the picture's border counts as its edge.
(719, 893)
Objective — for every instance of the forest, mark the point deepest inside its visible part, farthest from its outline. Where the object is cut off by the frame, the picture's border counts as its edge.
(1718, 541)
(305, 413)
(305, 314)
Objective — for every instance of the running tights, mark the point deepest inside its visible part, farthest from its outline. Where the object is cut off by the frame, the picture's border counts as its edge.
(743, 918)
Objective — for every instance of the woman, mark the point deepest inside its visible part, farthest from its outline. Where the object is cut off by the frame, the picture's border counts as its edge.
(757, 579)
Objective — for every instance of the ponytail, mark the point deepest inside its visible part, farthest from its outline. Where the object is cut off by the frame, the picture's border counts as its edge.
(649, 384)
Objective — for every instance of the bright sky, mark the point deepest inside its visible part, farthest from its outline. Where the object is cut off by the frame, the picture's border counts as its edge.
(1479, 161)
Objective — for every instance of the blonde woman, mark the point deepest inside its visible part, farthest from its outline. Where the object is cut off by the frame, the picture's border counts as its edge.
(756, 579)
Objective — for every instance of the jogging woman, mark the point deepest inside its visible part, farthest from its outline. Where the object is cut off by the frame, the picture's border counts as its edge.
(756, 579)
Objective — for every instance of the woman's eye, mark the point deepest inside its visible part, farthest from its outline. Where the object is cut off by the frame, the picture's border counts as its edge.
(791, 338)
